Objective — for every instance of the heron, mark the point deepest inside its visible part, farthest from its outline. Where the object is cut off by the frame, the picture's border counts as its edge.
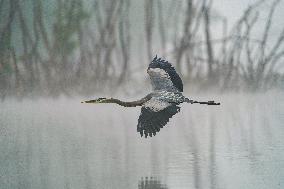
(161, 104)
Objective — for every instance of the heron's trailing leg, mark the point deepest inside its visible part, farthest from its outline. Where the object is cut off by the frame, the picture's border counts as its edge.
(200, 102)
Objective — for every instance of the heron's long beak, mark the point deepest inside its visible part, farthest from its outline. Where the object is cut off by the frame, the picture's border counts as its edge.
(98, 100)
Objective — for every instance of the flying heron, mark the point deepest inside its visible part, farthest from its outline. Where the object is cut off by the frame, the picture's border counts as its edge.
(161, 104)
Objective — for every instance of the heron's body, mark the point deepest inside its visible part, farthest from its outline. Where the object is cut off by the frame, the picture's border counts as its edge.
(160, 105)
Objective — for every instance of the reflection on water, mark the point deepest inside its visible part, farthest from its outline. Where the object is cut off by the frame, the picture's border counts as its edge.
(65, 144)
(151, 183)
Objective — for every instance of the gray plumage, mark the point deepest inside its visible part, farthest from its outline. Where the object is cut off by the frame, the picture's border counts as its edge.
(163, 105)
(160, 105)
(167, 75)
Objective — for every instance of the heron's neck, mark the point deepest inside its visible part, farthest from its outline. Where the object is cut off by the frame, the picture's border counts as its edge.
(125, 104)
(119, 102)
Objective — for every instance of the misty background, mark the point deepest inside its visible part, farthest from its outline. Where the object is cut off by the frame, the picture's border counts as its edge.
(50, 48)
(56, 53)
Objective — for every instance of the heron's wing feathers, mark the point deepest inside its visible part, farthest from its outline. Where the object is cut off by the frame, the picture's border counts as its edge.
(163, 75)
(150, 122)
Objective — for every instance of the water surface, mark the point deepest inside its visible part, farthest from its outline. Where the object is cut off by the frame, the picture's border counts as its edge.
(64, 144)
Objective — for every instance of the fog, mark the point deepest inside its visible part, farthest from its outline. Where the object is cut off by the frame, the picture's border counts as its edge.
(69, 48)
(54, 54)
(65, 144)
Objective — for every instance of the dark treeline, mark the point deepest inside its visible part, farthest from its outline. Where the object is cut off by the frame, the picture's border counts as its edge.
(82, 47)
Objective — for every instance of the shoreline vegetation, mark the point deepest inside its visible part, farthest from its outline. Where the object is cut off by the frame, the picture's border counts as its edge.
(77, 47)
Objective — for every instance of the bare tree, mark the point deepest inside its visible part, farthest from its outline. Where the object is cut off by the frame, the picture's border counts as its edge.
(83, 49)
(149, 24)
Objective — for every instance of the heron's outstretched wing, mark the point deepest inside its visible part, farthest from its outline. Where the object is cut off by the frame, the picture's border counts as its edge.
(163, 75)
(150, 121)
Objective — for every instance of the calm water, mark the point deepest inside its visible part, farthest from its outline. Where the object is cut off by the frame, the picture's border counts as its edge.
(56, 144)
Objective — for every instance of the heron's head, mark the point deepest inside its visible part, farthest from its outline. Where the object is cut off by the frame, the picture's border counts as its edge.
(98, 100)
